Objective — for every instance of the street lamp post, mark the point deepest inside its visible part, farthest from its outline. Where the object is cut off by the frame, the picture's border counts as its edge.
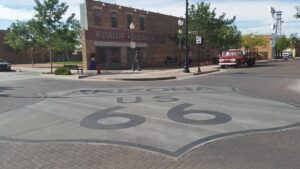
(180, 24)
(132, 45)
(186, 64)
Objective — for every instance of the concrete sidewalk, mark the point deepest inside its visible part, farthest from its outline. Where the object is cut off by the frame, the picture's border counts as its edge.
(147, 74)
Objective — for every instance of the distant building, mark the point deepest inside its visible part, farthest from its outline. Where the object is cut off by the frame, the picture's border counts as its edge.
(265, 52)
(106, 35)
(7, 53)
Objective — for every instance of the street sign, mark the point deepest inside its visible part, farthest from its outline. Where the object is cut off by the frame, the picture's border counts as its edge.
(198, 40)
(132, 45)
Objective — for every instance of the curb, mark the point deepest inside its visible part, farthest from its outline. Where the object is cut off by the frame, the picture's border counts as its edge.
(68, 77)
(145, 79)
(201, 73)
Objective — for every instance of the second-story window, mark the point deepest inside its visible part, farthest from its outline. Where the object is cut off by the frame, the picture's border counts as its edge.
(129, 20)
(114, 21)
(142, 23)
(97, 13)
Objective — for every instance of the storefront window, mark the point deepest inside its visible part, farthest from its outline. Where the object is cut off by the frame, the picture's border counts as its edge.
(129, 20)
(142, 23)
(101, 55)
(97, 14)
(107, 55)
(114, 21)
(115, 55)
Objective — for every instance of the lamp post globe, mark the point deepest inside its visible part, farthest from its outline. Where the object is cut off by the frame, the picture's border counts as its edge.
(131, 26)
(180, 22)
(180, 25)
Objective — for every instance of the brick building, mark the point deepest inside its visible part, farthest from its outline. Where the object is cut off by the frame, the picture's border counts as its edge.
(22, 57)
(106, 35)
(265, 52)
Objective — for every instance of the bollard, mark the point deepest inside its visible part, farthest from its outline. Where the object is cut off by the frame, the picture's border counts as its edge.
(98, 70)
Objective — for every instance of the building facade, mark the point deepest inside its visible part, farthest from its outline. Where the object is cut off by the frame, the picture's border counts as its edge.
(106, 35)
(265, 52)
(7, 53)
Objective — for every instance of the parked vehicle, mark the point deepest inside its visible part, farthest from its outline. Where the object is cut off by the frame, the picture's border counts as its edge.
(171, 60)
(4, 65)
(235, 57)
(286, 55)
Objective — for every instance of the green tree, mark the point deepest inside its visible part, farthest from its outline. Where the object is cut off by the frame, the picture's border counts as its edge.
(67, 38)
(297, 15)
(252, 41)
(229, 37)
(217, 31)
(294, 40)
(47, 29)
(282, 43)
(49, 15)
(23, 37)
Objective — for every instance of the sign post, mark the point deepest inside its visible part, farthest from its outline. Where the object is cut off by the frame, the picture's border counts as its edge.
(199, 41)
(132, 45)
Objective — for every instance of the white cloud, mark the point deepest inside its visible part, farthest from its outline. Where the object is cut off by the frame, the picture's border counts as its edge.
(255, 13)
(15, 14)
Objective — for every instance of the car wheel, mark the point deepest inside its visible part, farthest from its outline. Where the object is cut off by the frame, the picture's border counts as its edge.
(237, 64)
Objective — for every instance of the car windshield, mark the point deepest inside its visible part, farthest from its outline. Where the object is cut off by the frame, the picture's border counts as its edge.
(2, 61)
(231, 53)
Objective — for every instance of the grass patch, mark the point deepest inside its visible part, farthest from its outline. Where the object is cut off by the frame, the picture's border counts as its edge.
(62, 71)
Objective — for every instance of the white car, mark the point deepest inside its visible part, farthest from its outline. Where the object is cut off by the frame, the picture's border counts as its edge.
(286, 55)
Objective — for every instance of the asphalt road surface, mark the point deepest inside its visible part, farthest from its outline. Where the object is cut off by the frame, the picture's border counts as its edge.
(250, 117)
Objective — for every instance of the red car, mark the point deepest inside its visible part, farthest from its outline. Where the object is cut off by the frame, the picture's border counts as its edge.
(235, 57)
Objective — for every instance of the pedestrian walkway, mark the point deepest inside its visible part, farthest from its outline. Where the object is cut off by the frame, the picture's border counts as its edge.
(146, 74)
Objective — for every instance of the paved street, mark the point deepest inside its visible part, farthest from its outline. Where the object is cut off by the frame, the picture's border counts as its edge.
(236, 118)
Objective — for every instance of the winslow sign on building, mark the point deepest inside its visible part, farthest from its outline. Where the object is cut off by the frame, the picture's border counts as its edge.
(123, 36)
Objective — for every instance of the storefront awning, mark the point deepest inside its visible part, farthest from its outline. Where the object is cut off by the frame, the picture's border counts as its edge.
(119, 44)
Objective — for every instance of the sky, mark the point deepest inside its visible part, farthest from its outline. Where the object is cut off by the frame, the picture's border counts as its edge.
(252, 16)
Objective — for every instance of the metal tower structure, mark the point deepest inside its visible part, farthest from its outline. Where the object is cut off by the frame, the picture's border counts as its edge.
(277, 21)
(276, 26)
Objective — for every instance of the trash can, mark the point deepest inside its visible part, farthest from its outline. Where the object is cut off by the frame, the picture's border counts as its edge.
(93, 64)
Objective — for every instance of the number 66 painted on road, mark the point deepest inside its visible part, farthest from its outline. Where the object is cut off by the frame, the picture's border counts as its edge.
(176, 114)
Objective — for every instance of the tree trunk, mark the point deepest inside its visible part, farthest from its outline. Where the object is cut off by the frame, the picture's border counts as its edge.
(32, 54)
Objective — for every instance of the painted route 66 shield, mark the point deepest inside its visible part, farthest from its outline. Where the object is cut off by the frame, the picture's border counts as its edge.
(170, 120)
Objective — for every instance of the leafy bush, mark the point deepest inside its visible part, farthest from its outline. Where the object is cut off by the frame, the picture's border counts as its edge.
(62, 71)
